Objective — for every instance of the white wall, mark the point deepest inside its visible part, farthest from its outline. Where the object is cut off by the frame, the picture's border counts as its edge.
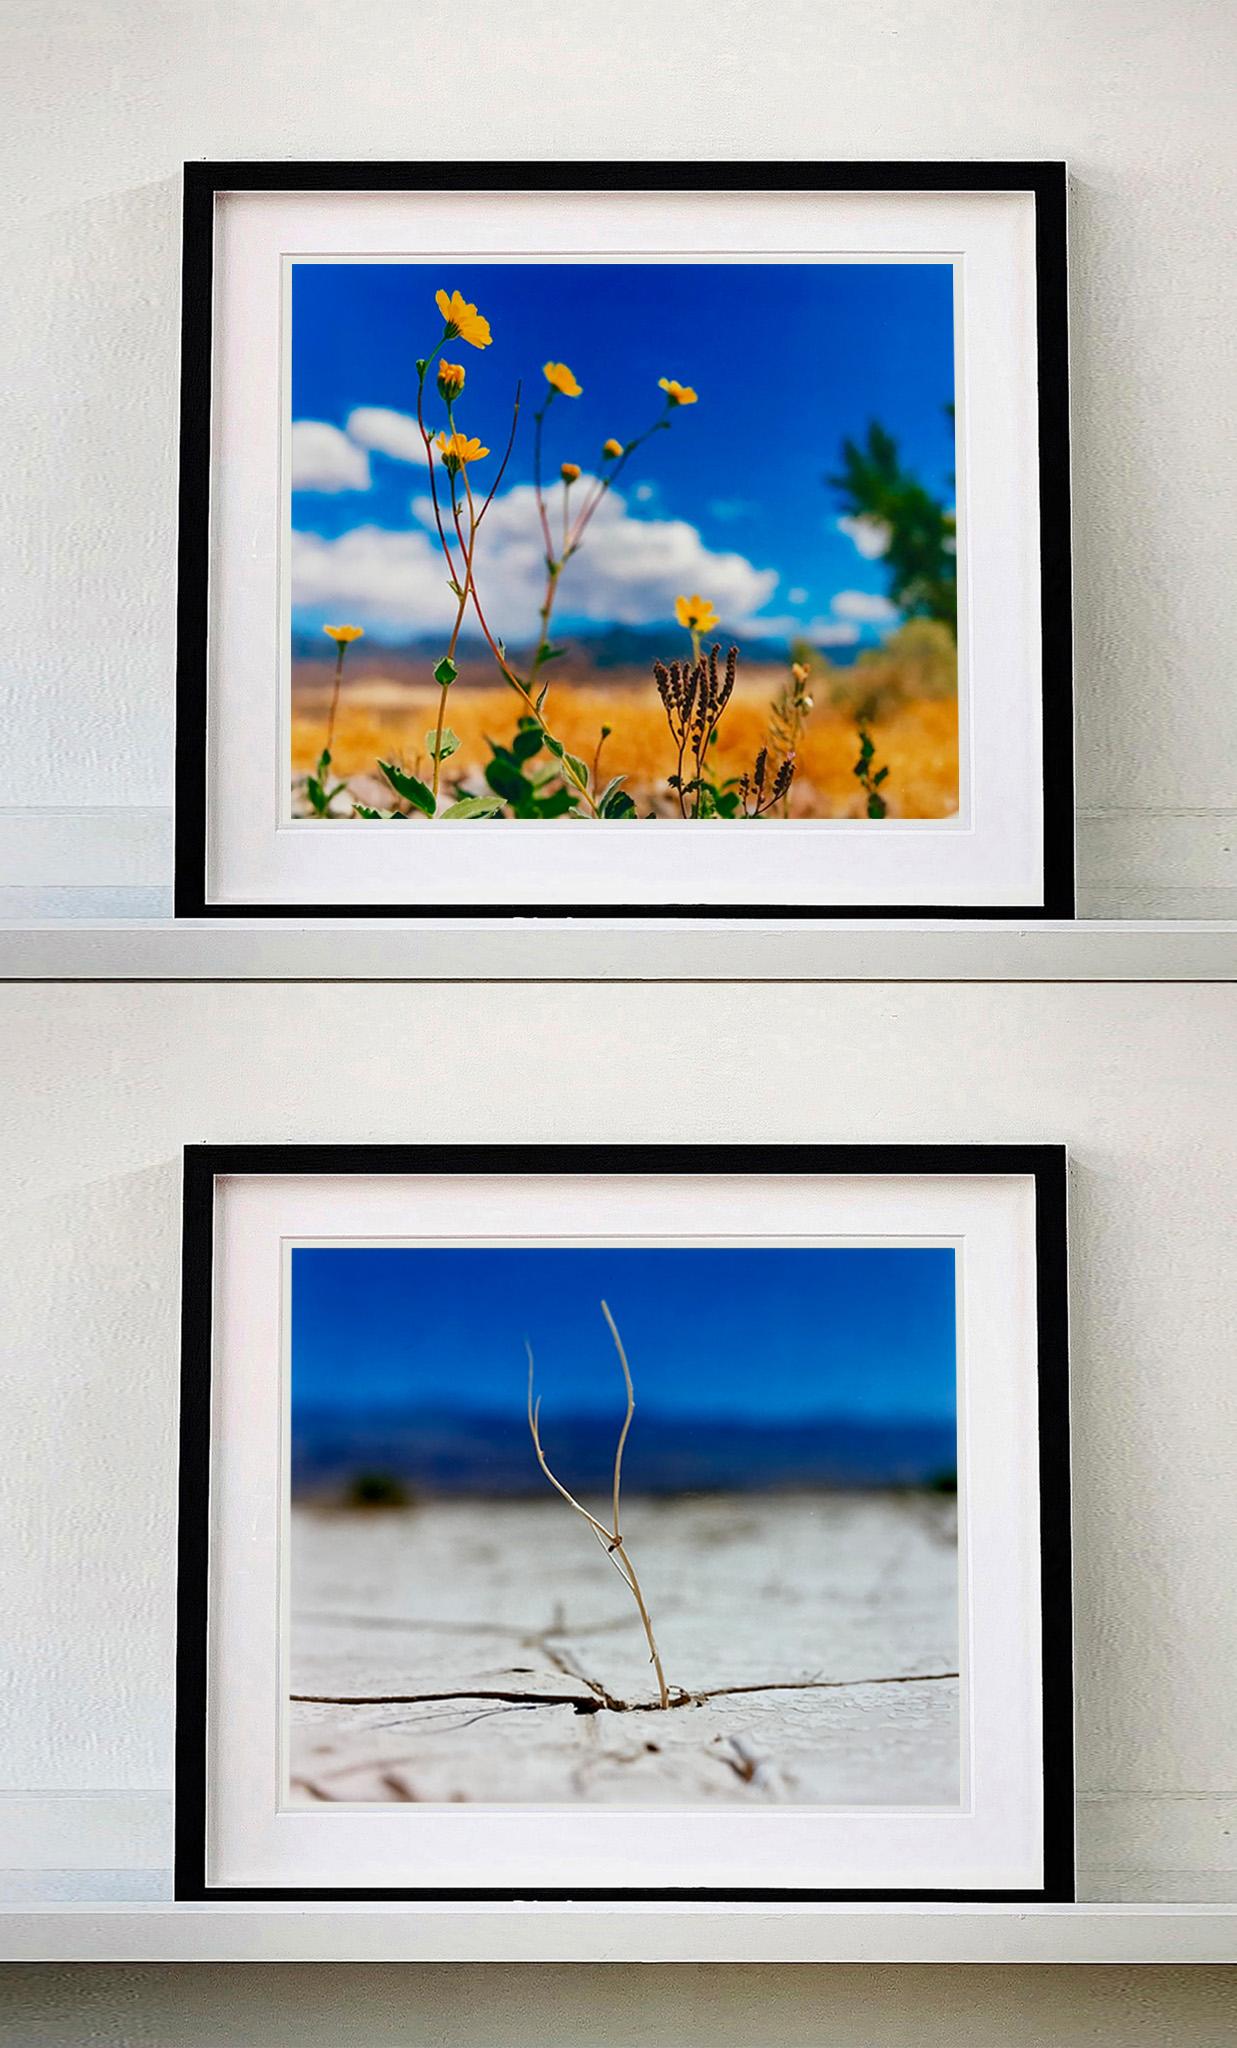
(106, 97)
(112, 1080)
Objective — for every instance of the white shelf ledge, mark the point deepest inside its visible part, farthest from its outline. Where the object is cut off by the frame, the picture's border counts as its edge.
(596, 950)
(663, 1934)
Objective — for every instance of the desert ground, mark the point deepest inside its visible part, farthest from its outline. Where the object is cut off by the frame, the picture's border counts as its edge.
(915, 734)
(478, 1650)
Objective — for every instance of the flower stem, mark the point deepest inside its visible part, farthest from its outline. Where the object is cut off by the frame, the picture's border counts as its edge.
(522, 691)
(339, 676)
(638, 1597)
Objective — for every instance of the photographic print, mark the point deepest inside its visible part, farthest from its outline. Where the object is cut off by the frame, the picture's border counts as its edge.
(629, 541)
(640, 497)
(664, 1526)
(646, 1522)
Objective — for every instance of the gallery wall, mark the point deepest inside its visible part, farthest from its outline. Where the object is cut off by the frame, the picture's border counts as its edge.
(116, 93)
(114, 1079)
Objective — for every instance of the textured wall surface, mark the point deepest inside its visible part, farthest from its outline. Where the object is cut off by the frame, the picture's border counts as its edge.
(114, 94)
(1140, 1081)
(450, 2007)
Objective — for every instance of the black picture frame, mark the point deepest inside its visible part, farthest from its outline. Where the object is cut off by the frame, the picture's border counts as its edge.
(1046, 181)
(1046, 1165)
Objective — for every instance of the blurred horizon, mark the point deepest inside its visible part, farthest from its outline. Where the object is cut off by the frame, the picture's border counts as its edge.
(752, 1367)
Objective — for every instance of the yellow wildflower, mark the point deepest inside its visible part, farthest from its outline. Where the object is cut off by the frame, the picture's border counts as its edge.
(457, 449)
(800, 671)
(341, 635)
(450, 380)
(463, 320)
(569, 472)
(611, 449)
(559, 378)
(695, 613)
(678, 394)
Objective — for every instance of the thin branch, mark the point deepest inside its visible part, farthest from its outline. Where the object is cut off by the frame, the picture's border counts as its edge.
(534, 1418)
(617, 1557)
(538, 417)
(631, 1409)
(492, 492)
(611, 1540)
(429, 457)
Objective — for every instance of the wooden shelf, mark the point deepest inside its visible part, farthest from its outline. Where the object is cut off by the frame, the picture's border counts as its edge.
(825, 1934)
(594, 950)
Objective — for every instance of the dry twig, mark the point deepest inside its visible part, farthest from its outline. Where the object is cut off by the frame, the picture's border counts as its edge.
(611, 1540)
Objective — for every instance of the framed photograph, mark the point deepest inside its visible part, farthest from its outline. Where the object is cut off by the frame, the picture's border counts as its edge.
(633, 1523)
(645, 539)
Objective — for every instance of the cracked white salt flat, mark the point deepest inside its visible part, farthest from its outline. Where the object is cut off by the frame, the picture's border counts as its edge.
(486, 1651)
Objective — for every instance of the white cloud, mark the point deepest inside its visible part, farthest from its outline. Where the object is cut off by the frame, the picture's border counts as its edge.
(387, 433)
(796, 596)
(871, 536)
(628, 571)
(865, 607)
(830, 633)
(324, 459)
(387, 579)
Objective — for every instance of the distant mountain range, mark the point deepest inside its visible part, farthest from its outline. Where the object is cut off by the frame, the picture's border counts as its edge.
(607, 647)
(456, 1453)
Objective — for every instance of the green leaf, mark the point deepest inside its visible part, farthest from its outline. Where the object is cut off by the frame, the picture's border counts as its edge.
(880, 775)
(324, 762)
(559, 804)
(547, 653)
(555, 746)
(618, 805)
(475, 807)
(615, 782)
(576, 769)
(507, 782)
(446, 672)
(409, 788)
(317, 795)
(542, 694)
(876, 806)
(527, 742)
(364, 811)
(448, 745)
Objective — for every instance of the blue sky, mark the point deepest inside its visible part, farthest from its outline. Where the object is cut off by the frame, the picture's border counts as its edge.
(775, 1334)
(787, 359)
